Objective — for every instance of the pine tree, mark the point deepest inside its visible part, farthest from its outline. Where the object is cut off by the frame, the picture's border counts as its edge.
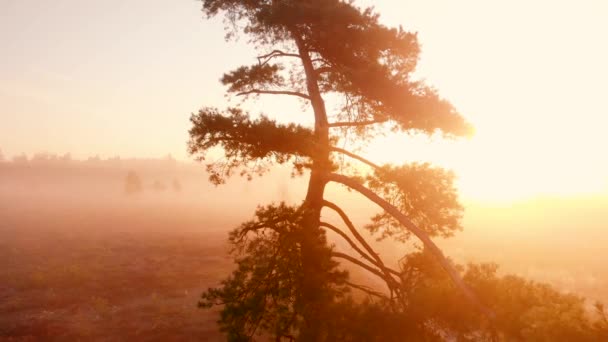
(288, 281)
(133, 183)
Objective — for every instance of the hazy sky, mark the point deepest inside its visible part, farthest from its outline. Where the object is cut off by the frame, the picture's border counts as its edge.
(122, 77)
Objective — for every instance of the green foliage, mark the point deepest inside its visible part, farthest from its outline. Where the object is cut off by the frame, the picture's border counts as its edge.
(251, 145)
(531, 311)
(525, 310)
(373, 320)
(367, 63)
(261, 298)
(286, 284)
(245, 78)
(264, 293)
(424, 193)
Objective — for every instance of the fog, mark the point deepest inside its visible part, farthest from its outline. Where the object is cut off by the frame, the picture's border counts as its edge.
(53, 210)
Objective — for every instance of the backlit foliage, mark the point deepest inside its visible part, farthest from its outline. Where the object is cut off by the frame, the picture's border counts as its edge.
(288, 284)
(248, 145)
(425, 194)
(264, 293)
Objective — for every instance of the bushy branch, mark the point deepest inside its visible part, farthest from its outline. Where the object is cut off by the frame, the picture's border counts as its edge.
(264, 293)
(247, 77)
(361, 59)
(249, 145)
(425, 194)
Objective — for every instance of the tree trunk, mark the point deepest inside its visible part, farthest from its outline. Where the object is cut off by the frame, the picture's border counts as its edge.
(313, 242)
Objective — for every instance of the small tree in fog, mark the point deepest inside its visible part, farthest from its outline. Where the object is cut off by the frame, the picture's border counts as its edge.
(177, 186)
(288, 282)
(133, 183)
(159, 186)
(21, 159)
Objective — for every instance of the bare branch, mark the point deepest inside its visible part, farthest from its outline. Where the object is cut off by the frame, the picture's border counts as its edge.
(350, 242)
(421, 234)
(367, 290)
(276, 53)
(274, 92)
(354, 156)
(361, 264)
(354, 231)
(356, 123)
(388, 272)
(324, 69)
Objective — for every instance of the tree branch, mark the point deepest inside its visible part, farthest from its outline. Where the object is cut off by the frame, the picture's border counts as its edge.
(276, 53)
(354, 231)
(356, 123)
(321, 70)
(350, 242)
(421, 234)
(388, 272)
(354, 156)
(360, 264)
(366, 290)
(274, 92)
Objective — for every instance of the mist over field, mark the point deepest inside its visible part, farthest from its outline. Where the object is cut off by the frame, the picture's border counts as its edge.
(338, 170)
(78, 253)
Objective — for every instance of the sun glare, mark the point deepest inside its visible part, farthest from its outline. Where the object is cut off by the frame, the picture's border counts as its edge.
(505, 162)
(535, 94)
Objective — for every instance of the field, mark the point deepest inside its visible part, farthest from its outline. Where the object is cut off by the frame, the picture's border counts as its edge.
(81, 272)
(80, 260)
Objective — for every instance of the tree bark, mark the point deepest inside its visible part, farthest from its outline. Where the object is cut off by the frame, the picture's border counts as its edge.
(313, 242)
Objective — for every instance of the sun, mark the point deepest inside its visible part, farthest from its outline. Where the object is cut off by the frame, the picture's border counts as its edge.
(535, 94)
(503, 162)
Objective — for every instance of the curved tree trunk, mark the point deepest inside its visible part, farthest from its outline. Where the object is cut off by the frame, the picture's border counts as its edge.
(421, 234)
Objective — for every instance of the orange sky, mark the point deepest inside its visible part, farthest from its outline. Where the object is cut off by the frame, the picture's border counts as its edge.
(122, 77)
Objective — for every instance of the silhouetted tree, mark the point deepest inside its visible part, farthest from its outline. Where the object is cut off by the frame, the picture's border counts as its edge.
(94, 159)
(66, 158)
(287, 283)
(133, 183)
(177, 186)
(43, 158)
(20, 159)
(159, 186)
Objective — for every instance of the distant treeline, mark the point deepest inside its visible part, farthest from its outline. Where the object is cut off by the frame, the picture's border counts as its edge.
(51, 159)
(52, 174)
(44, 170)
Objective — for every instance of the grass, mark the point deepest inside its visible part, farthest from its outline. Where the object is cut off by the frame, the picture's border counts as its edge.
(89, 273)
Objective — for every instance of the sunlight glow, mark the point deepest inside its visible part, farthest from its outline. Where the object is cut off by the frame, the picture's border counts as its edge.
(535, 94)
(530, 75)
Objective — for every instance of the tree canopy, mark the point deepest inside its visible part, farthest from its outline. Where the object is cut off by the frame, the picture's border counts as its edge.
(290, 283)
